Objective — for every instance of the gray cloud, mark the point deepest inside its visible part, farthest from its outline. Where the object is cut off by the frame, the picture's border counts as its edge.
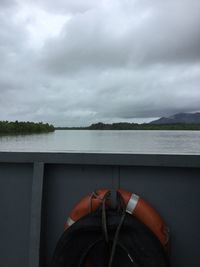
(110, 60)
(7, 3)
(156, 34)
(67, 6)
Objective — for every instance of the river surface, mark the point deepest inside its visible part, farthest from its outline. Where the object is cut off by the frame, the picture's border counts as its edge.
(162, 142)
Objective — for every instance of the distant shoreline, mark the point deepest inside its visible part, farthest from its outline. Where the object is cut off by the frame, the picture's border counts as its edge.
(24, 128)
(135, 126)
(15, 128)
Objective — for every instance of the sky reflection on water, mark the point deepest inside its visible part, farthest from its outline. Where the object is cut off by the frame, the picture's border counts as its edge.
(105, 141)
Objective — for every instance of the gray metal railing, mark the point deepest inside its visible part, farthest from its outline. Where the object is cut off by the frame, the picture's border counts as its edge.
(37, 191)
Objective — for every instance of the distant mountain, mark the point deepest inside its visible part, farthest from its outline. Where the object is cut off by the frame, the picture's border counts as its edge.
(189, 118)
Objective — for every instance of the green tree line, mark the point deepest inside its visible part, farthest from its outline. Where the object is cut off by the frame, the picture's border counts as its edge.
(144, 126)
(22, 127)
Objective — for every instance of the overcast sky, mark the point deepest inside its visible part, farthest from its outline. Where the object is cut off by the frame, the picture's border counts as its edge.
(75, 62)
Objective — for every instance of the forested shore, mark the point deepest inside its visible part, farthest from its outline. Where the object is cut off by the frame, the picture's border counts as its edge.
(144, 126)
(134, 126)
(17, 127)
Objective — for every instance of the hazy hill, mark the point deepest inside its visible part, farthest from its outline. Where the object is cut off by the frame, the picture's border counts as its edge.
(189, 118)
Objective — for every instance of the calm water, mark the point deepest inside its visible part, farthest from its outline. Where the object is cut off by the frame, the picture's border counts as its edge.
(106, 141)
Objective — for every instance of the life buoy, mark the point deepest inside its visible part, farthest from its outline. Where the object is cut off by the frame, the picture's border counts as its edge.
(134, 205)
(87, 204)
(145, 213)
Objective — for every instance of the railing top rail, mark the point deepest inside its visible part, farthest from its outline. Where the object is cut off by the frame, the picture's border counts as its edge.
(121, 159)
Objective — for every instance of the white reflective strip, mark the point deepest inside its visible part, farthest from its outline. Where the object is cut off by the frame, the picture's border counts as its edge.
(132, 203)
(70, 221)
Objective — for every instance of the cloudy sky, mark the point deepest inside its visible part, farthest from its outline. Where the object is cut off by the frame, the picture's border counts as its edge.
(75, 62)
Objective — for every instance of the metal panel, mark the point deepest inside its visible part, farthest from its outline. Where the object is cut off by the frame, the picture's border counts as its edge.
(64, 186)
(175, 193)
(15, 202)
(170, 182)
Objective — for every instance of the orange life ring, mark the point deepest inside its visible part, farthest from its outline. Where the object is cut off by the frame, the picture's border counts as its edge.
(134, 205)
(145, 213)
(87, 204)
